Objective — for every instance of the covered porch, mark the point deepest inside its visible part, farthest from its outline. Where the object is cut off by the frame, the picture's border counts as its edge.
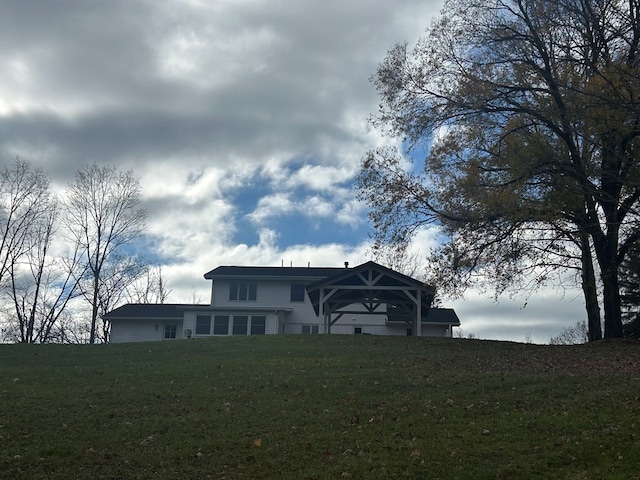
(371, 289)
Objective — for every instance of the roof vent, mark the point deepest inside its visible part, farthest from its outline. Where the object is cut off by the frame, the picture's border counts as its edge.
(346, 264)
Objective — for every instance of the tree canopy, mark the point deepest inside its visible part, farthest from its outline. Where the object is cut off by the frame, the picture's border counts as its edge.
(530, 111)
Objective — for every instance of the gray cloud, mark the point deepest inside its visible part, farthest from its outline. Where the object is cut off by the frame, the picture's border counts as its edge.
(114, 79)
(209, 102)
(541, 316)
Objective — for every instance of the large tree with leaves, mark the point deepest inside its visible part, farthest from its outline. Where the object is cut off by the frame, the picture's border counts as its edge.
(630, 292)
(531, 112)
(104, 217)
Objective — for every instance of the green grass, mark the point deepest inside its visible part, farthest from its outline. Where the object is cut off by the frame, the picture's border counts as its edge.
(316, 407)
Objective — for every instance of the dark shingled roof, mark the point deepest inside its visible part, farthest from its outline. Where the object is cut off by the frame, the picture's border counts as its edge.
(151, 310)
(233, 271)
(443, 315)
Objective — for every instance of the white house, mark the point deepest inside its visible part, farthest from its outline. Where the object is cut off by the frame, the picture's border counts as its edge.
(367, 299)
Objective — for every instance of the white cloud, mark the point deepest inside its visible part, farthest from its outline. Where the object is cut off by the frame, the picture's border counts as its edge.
(224, 109)
(272, 206)
(323, 178)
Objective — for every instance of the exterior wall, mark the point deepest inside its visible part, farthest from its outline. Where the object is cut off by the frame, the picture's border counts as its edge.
(145, 330)
(272, 295)
(342, 327)
(189, 323)
(126, 330)
(436, 330)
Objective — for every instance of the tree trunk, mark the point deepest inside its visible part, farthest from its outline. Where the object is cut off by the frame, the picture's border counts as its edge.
(94, 308)
(606, 252)
(611, 300)
(590, 290)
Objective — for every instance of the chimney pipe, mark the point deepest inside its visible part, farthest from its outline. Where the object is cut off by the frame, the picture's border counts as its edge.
(346, 264)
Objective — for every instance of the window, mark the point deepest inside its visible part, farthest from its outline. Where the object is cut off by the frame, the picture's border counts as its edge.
(297, 292)
(243, 291)
(203, 325)
(357, 330)
(170, 331)
(221, 325)
(253, 291)
(240, 324)
(310, 329)
(258, 325)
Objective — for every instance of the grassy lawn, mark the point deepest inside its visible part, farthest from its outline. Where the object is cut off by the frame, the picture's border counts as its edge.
(316, 407)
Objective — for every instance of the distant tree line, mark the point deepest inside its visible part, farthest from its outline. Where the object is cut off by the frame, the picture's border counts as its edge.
(66, 259)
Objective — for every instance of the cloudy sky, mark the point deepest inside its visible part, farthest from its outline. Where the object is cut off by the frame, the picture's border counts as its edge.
(245, 121)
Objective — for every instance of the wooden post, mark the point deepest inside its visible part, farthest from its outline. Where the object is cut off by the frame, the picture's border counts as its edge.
(321, 312)
(419, 314)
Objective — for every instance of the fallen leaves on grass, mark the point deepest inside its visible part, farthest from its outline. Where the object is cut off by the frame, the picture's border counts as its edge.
(596, 358)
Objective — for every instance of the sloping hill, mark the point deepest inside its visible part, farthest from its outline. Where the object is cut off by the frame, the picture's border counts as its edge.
(316, 407)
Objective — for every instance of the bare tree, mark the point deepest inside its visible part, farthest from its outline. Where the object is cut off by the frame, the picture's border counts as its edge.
(400, 258)
(195, 298)
(460, 333)
(103, 218)
(24, 196)
(150, 288)
(41, 284)
(573, 335)
(118, 276)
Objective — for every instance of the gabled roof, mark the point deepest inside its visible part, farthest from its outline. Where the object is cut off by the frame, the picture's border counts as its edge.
(151, 310)
(391, 278)
(445, 316)
(272, 272)
(369, 284)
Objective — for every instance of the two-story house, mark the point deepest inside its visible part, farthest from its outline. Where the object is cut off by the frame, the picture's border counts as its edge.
(367, 299)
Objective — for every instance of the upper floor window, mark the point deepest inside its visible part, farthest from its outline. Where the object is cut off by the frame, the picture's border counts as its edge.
(243, 291)
(297, 292)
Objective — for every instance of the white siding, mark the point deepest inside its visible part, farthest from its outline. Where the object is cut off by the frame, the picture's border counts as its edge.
(190, 322)
(436, 330)
(141, 330)
(272, 295)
